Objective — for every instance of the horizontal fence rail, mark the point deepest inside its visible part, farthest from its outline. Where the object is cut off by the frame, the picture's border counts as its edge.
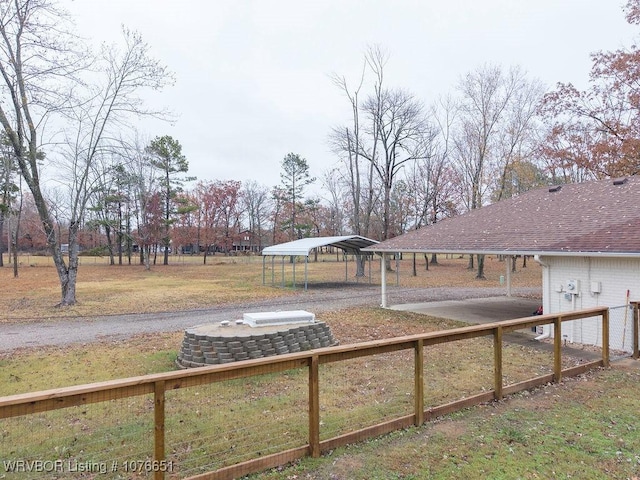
(158, 386)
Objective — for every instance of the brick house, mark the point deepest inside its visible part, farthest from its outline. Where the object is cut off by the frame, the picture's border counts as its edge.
(585, 236)
(247, 242)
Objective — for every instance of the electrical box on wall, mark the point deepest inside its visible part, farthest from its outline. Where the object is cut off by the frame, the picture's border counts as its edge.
(596, 287)
(573, 287)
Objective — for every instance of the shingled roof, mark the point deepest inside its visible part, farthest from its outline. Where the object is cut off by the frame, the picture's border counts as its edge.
(592, 218)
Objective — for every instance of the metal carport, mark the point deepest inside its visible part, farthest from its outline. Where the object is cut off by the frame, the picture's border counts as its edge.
(350, 244)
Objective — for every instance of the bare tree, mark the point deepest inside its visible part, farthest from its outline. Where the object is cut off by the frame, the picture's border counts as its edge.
(95, 124)
(14, 230)
(256, 202)
(10, 204)
(144, 187)
(358, 174)
(37, 58)
(347, 142)
(483, 100)
(517, 142)
(430, 177)
(398, 122)
(8, 191)
(41, 62)
(397, 127)
(336, 201)
(278, 199)
(388, 132)
(491, 103)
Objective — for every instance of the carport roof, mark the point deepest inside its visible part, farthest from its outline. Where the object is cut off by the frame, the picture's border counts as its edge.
(349, 243)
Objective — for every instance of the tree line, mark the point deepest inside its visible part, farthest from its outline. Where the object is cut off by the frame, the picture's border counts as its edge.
(73, 174)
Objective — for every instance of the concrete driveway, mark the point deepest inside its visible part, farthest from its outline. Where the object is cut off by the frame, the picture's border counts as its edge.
(475, 310)
(492, 309)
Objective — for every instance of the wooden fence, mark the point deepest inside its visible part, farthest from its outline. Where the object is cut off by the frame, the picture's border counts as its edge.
(158, 384)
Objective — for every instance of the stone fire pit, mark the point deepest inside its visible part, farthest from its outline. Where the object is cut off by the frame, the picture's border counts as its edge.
(257, 335)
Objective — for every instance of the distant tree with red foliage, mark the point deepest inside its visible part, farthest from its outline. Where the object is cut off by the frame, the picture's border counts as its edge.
(229, 208)
(218, 216)
(185, 226)
(596, 132)
(205, 199)
(32, 237)
(151, 226)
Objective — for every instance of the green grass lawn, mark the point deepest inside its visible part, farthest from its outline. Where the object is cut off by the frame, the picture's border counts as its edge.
(583, 428)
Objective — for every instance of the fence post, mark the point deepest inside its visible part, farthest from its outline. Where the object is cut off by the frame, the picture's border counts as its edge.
(636, 322)
(497, 363)
(557, 349)
(158, 418)
(314, 407)
(419, 381)
(605, 337)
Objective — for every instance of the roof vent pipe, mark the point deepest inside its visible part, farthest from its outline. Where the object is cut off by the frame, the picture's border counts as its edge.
(620, 181)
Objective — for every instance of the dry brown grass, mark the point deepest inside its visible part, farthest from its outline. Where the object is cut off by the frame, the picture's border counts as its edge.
(186, 283)
(502, 440)
(32, 369)
(112, 289)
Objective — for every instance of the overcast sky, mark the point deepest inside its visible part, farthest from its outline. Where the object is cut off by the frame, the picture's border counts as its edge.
(253, 76)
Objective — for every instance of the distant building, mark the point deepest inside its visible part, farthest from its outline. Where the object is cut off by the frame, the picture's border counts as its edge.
(247, 241)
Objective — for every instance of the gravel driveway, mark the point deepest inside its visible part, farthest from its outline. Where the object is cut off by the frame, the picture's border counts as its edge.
(317, 300)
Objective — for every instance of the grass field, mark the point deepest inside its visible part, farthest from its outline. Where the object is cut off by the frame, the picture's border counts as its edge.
(186, 283)
(581, 428)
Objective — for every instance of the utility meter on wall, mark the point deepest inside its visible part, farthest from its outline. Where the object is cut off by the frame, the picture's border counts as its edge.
(573, 287)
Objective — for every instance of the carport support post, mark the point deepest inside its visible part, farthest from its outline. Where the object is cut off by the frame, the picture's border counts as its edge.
(509, 262)
(383, 279)
(306, 270)
(346, 266)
